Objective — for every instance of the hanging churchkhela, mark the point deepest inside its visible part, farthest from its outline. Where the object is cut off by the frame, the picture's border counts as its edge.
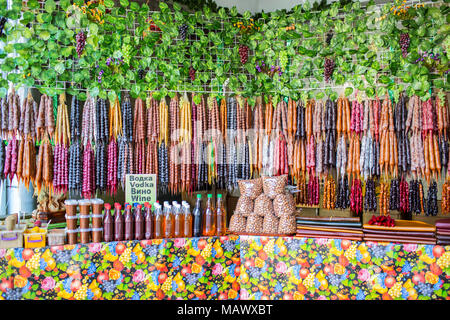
(185, 140)
(222, 173)
(101, 142)
(388, 141)
(62, 142)
(174, 127)
(151, 161)
(163, 158)
(115, 131)
(201, 146)
(88, 134)
(139, 133)
(75, 176)
(125, 144)
(26, 156)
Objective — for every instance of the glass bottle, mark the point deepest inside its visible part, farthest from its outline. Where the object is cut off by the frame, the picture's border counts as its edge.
(187, 220)
(159, 221)
(178, 222)
(169, 223)
(118, 223)
(197, 218)
(209, 224)
(149, 223)
(221, 215)
(138, 223)
(129, 223)
(108, 224)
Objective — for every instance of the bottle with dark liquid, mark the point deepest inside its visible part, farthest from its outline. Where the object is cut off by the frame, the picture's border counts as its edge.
(159, 222)
(187, 220)
(209, 218)
(139, 223)
(129, 223)
(221, 214)
(108, 224)
(178, 221)
(118, 223)
(169, 221)
(197, 219)
(149, 223)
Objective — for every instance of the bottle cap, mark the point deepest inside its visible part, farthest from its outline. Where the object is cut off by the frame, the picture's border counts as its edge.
(107, 206)
(199, 196)
(209, 195)
(219, 195)
(117, 205)
(135, 204)
(129, 206)
(139, 206)
(146, 204)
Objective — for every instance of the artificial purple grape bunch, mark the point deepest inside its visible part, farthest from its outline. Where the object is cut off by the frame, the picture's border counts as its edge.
(404, 44)
(192, 73)
(81, 42)
(243, 53)
(329, 68)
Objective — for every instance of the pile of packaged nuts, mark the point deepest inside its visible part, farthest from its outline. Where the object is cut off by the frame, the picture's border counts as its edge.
(264, 207)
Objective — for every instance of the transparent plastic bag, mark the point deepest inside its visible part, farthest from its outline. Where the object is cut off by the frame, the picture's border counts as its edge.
(238, 223)
(284, 204)
(263, 205)
(250, 188)
(244, 205)
(287, 225)
(270, 224)
(273, 186)
(254, 224)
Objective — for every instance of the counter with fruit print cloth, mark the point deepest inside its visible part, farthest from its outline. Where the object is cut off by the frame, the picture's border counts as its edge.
(182, 268)
(334, 269)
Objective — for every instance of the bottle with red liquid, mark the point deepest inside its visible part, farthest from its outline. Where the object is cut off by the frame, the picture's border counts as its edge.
(187, 220)
(169, 221)
(118, 223)
(221, 215)
(159, 222)
(178, 221)
(108, 224)
(139, 223)
(149, 223)
(129, 223)
(209, 218)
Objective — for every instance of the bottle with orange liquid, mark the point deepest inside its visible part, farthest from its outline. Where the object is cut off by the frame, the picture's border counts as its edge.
(221, 215)
(209, 218)
(159, 222)
(169, 221)
(187, 220)
(178, 221)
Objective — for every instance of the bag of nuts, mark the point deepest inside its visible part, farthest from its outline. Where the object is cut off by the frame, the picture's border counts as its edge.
(284, 204)
(250, 188)
(263, 205)
(273, 186)
(244, 205)
(287, 225)
(270, 224)
(238, 223)
(254, 223)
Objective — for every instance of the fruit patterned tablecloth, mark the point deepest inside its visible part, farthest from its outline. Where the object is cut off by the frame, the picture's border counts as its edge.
(332, 269)
(191, 268)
